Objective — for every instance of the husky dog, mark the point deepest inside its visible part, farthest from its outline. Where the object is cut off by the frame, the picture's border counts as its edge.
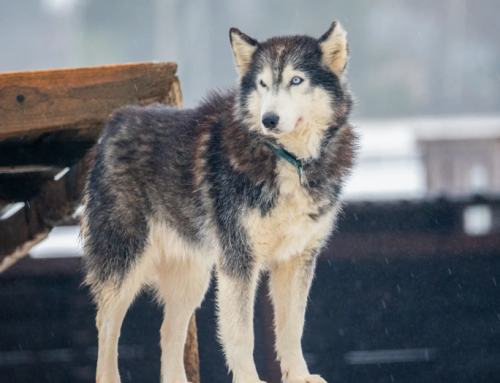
(249, 180)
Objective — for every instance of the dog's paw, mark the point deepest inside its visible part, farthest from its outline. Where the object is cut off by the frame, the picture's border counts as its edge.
(306, 379)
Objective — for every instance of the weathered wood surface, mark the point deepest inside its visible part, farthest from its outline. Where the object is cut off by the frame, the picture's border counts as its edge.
(191, 354)
(40, 101)
(46, 204)
(49, 120)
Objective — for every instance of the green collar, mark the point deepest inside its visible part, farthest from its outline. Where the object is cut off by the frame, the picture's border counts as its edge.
(289, 157)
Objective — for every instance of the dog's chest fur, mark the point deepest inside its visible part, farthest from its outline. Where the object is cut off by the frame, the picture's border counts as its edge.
(293, 225)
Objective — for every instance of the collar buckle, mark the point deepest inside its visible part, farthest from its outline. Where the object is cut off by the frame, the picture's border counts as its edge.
(289, 157)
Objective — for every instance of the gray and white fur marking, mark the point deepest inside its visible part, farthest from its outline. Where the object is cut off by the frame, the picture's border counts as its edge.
(174, 192)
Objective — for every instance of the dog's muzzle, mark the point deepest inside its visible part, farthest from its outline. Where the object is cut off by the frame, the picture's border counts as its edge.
(270, 120)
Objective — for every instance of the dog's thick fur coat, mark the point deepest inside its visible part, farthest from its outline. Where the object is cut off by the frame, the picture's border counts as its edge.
(174, 192)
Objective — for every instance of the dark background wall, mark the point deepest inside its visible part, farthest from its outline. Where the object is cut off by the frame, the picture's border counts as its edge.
(386, 294)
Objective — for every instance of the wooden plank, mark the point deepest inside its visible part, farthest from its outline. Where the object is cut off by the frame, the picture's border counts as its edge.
(55, 148)
(40, 101)
(21, 250)
(52, 118)
(26, 169)
(50, 202)
(191, 354)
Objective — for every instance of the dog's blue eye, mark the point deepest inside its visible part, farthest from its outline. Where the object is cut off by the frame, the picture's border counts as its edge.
(296, 80)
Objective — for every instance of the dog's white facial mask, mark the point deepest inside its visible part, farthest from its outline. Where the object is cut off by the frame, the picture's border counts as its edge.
(293, 102)
(283, 102)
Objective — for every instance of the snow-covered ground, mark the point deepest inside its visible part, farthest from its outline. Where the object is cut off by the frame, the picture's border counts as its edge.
(62, 242)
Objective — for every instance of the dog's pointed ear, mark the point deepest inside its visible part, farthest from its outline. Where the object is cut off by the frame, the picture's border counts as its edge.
(243, 48)
(334, 47)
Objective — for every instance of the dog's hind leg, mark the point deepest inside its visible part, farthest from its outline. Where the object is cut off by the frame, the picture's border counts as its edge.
(112, 305)
(289, 287)
(182, 284)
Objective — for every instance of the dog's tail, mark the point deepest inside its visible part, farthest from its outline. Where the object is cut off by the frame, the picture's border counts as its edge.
(114, 226)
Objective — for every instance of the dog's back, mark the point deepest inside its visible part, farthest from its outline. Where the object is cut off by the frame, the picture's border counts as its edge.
(143, 171)
(118, 195)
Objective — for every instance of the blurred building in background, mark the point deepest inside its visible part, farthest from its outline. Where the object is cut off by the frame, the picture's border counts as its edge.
(417, 156)
(462, 154)
(411, 61)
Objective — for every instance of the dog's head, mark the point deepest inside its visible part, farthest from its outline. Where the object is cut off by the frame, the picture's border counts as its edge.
(293, 83)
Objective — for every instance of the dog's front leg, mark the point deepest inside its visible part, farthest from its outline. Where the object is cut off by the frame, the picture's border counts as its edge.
(289, 287)
(236, 295)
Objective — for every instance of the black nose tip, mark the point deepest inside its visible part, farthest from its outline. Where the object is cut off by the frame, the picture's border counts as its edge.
(270, 120)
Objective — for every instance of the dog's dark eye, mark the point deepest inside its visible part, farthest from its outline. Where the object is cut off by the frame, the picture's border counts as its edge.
(263, 84)
(296, 81)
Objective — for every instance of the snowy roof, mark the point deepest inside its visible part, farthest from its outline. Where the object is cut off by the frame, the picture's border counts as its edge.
(389, 160)
(388, 163)
(441, 127)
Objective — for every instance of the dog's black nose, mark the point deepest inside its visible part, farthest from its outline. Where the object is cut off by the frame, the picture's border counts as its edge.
(270, 120)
